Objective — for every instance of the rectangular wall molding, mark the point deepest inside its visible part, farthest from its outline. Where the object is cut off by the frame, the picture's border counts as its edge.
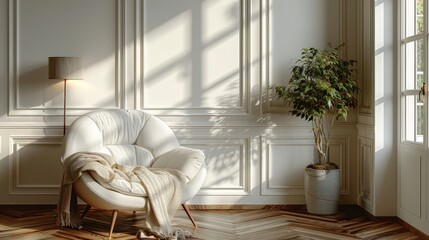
(284, 161)
(30, 175)
(30, 90)
(215, 41)
(365, 173)
(228, 164)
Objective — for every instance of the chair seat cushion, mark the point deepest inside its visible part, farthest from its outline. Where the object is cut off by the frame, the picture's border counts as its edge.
(187, 160)
(132, 188)
(93, 193)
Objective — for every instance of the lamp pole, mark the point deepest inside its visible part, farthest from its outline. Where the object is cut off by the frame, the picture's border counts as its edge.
(65, 105)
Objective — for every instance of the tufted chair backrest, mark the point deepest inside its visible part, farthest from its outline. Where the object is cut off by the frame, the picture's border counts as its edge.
(133, 137)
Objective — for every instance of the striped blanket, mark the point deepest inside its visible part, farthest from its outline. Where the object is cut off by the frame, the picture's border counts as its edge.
(163, 188)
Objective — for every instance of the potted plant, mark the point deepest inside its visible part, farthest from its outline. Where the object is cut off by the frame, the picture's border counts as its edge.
(321, 90)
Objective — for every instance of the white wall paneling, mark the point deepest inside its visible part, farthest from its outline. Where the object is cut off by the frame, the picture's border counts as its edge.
(340, 154)
(283, 165)
(206, 63)
(201, 66)
(39, 29)
(28, 174)
(365, 173)
(228, 164)
(33, 166)
(366, 61)
(366, 122)
(284, 160)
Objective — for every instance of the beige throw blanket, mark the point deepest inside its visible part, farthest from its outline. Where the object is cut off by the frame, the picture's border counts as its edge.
(163, 187)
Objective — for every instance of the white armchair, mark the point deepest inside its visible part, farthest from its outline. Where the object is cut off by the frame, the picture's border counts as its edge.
(134, 138)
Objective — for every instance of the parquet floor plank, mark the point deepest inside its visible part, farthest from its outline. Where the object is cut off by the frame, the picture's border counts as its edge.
(38, 222)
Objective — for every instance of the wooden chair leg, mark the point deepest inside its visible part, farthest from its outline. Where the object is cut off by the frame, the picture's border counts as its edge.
(112, 225)
(87, 208)
(185, 207)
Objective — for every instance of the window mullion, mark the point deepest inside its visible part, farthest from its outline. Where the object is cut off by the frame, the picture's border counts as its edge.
(413, 38)
(425, 71)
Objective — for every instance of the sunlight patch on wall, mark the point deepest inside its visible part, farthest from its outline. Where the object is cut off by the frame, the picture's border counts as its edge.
(168, 43)
(379, 27)
(77, 89)
(379, 76)
(379, 127)
(193, 55)
(221, 56)
(218, 17)
(220, 72)
(167, 66)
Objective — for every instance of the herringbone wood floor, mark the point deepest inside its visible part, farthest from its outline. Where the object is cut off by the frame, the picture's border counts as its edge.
(38, 222)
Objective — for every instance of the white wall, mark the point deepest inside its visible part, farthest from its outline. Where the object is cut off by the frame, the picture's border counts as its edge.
(377, 128)
(392, 174)
(202, 66)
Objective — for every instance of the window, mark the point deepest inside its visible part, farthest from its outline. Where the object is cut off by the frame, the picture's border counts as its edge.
(414, 38)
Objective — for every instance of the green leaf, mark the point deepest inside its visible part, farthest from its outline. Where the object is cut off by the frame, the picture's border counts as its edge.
(321, 81)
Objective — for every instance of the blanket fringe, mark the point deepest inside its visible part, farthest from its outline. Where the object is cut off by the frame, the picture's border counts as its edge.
(64, 220)
(177, 234)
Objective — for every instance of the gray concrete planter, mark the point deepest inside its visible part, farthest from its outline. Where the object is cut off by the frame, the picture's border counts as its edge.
(322, 191)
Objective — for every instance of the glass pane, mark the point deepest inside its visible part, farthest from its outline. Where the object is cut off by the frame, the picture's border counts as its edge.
(419, 16)
(414, 17)
(409, 118)
(414, 119)
(414, 65)
(420, 123)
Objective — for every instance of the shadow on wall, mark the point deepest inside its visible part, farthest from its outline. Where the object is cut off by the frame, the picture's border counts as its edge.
(191, 62)
(46, 89)
(26, 178)
(61, 33)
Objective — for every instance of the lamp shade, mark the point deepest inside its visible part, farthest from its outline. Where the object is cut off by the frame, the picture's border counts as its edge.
(65, 68)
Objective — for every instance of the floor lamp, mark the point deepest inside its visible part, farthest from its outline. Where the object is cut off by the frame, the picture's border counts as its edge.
(65, 68)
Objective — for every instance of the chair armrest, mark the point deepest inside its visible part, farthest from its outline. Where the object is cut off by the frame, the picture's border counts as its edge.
(186, 160)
